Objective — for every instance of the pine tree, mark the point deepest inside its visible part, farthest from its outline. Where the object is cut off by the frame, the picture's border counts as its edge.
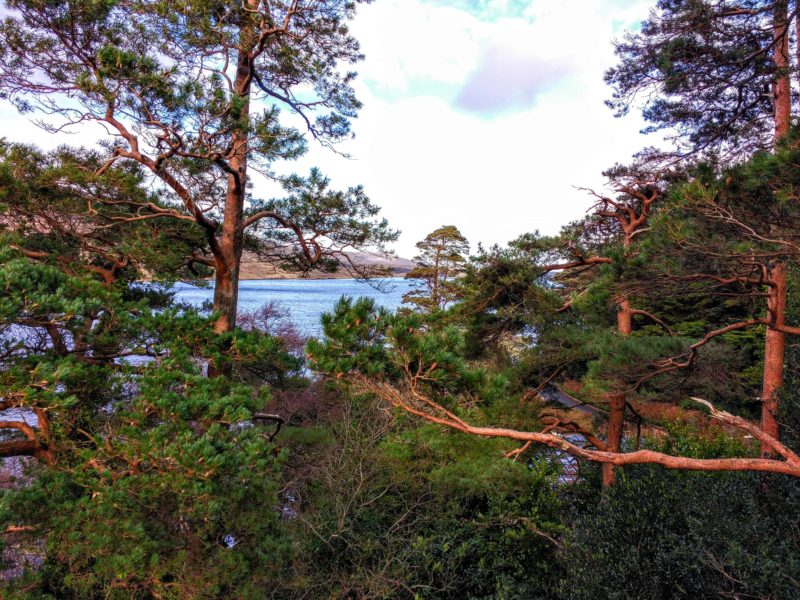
(719, 75)
(713, 72)
(442, 258)
(178, 86)
(141, 471)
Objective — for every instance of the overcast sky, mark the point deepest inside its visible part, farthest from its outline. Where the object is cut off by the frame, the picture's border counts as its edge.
(483, 114)
(486, 114)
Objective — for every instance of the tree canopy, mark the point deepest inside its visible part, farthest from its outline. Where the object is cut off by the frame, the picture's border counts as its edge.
(177, 87)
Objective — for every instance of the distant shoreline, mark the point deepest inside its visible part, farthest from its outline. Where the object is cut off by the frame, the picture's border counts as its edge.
(253, 269)
(346, 277)
(310, 277)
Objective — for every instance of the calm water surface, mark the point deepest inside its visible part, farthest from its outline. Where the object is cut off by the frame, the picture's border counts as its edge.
(305, 299)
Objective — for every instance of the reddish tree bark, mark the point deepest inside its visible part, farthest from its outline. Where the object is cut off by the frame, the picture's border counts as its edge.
(228, 259)
(774, 349)
(775, 343)
(616, 421)
(624, 317)
(228, 251)
(631, 219)
(781, 88)
(616, 400)
(33, 444)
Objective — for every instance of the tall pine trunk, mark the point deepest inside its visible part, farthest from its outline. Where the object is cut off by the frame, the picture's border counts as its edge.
(624, 318)
(775, 343)
(226, 292)
(616, 400)
(774, 349)
(616, 422)
(230, 241)
(781, 87)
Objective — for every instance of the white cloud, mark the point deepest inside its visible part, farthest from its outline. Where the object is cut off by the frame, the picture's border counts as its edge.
(509, 76)
(493, 172)
(487, 56)
(409, 41)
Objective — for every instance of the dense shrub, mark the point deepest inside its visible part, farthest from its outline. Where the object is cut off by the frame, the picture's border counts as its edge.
(662, 534)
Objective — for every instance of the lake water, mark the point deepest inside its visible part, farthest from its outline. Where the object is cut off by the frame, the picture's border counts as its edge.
(304, 299)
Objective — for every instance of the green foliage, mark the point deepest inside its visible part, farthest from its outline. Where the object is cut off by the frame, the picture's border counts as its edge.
(623, 360)
(341, 219)
(361, 339)
(62, 211)
(656, 534)
(662, 534)
(745, 208)
(153, 480)
(789, 415)
(164, 63)
(455, 517)
(700, 70)
(686, 439)
(173, 495)
(403, 512)
(149, 479)
(507, 291)
(192, 93)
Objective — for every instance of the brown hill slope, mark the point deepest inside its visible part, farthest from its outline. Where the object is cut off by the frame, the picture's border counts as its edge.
(252, 268)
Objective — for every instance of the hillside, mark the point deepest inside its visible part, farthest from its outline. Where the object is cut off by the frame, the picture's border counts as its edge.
(252, 268)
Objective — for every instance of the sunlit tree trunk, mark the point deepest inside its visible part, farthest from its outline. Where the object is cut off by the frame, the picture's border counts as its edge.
(616, 400)
(774, 350)
(775, 343)
(228, 258)
(624, 318)
(781, 88)
(226, 291)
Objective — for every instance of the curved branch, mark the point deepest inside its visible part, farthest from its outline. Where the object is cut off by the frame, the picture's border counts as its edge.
(279, 420)
(574, 427)
(673, 364)
(25, 429)
(644, 313)
(583, 262)
(753, 430)
(312, 257)
(31, 446)
(18, 448)
(791, 466)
